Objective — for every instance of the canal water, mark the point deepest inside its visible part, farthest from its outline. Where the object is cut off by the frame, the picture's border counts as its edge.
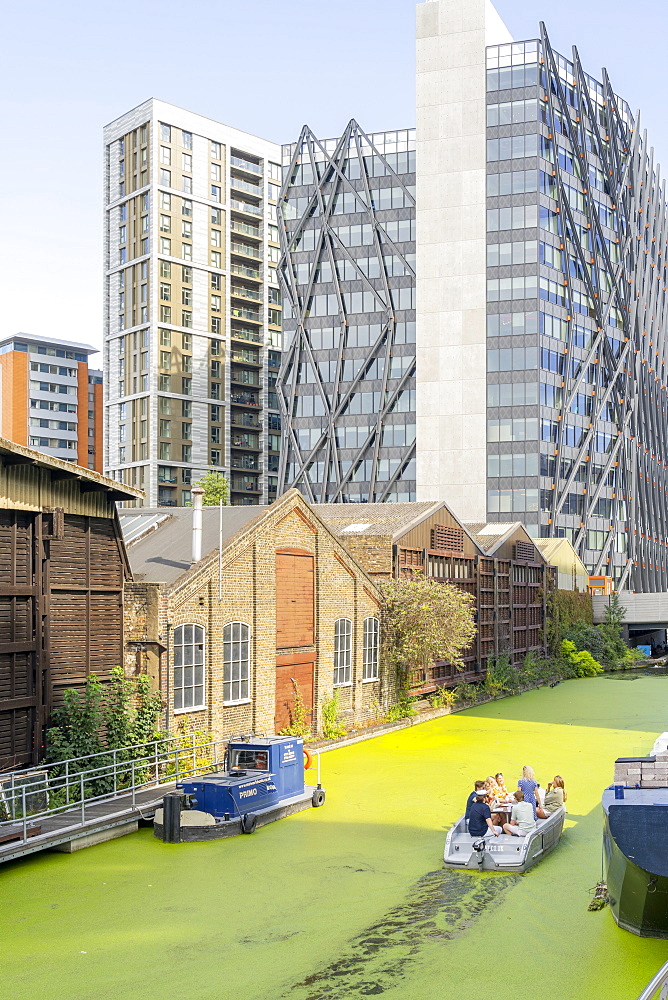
(351, 900)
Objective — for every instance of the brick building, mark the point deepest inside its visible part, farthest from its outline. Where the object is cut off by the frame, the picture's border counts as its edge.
(281, 605)
(498, 564)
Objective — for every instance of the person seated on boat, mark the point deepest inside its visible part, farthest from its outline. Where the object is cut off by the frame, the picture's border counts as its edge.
(530, 786)
(480, 818)
(494, 795)
(492, 787)
(502, 793)
(477, 788)
(555, 796)
(522, 821)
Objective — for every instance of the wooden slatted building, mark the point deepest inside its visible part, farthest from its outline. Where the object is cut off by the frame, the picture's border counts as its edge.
(62, 573)
(498, 564)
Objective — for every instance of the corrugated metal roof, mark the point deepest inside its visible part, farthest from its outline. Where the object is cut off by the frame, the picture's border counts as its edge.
(489, 536)
(19, 455)
(373, 518)
(136, 523)
(159, 539)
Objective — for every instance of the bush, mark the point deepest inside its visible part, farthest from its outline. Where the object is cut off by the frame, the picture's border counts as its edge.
(101, 719)
(443, 698)
(589, 638)
(404, 708)
(299, 725)
(502, 676)
(466, 693)
(332, 727)
(581, 662)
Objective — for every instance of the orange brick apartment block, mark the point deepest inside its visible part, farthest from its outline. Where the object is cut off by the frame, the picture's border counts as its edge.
(281, 607)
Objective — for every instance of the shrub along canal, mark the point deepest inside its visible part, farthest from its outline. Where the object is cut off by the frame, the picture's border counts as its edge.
(351, 900)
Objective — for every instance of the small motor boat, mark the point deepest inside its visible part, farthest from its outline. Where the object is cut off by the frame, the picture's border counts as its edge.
(504, 853)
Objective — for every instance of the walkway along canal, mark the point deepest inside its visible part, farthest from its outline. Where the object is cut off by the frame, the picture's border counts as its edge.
(352, 900)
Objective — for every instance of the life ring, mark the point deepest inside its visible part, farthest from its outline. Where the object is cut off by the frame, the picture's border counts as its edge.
(308, 760)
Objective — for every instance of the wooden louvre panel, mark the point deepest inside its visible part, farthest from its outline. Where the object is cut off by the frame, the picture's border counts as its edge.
(525, 552)
(444, 537)
(294, 599)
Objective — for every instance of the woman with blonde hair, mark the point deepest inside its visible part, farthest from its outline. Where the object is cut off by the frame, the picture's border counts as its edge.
(555, 796)
(530, 786)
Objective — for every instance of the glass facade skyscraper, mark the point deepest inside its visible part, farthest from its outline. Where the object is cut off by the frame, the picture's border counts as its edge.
(560, 349)
(347, 385)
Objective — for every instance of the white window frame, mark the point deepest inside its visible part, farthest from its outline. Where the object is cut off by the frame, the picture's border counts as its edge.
(343, 652)
(371, 648)
(233, 644)
(179, 656)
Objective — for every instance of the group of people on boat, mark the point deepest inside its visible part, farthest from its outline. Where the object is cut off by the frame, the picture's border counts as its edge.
(491, 810)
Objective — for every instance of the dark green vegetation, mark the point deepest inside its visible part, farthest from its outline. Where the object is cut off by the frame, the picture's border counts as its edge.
(91, 724)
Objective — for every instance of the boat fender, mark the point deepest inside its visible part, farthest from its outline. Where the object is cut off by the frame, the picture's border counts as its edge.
(308, 760)
(248, 822)
(318, 798)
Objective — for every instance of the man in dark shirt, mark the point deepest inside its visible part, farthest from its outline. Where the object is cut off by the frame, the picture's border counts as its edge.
(479, 785)
(480, 818)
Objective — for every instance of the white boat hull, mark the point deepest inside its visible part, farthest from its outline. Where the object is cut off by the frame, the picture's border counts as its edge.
(504, 853)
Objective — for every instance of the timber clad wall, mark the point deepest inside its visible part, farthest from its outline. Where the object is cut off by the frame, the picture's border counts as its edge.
(509, 585)
(86, 587)
(20, 634)
(62, 566)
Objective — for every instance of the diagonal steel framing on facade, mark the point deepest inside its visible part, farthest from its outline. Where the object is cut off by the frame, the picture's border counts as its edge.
(631, 387)
(337, 464)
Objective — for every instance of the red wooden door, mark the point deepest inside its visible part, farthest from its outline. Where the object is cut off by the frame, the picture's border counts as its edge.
(293, 681)
(294, 599)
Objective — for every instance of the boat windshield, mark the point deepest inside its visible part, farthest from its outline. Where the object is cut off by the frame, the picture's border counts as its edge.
(248, 760)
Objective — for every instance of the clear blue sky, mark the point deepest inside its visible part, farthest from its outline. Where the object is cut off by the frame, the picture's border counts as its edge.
(266, 67)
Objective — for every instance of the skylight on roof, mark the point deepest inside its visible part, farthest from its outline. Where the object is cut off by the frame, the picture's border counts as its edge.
(356, 527)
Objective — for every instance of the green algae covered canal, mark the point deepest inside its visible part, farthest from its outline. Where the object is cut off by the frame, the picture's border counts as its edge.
(352, 900)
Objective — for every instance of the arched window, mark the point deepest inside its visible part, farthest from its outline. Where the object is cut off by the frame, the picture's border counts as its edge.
(236, 663)
(343, 647)
(371, 635)
(188, 667)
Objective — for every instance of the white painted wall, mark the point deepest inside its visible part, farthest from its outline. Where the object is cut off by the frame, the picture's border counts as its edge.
(451, 236)
(640, 608)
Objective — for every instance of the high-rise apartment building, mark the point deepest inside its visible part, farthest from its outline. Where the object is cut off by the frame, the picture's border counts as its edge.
(347, 385)
(193, 312)
(51, 399)
(542, 247)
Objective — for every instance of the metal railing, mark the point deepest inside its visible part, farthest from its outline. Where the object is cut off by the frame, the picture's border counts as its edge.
(49, 790)
(237, 182)
(238, 161)
(244, 248)
(245, 206)
(658, 982)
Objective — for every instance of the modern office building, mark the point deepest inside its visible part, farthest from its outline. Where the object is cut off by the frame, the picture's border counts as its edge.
(541, 296)
(51, 399)
(347, 384)
(193, 314)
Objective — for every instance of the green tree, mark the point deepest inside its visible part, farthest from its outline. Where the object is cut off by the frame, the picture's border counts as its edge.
(615, 615)
(423, 621)
(216, 487)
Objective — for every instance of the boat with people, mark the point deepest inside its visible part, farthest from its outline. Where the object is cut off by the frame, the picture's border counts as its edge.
(507, 833)
(635, 842)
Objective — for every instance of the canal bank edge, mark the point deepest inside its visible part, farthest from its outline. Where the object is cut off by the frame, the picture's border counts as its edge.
(426, 715)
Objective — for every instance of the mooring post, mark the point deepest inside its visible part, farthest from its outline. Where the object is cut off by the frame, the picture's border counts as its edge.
(171, 817)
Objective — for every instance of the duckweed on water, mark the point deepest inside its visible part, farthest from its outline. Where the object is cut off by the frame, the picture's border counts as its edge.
(350, 901)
